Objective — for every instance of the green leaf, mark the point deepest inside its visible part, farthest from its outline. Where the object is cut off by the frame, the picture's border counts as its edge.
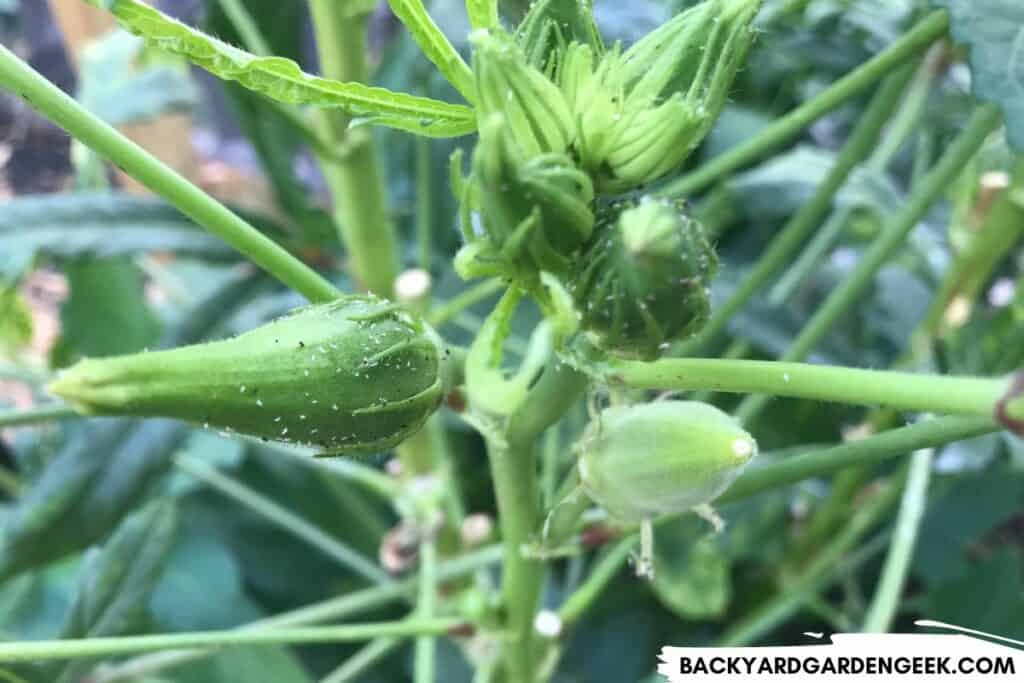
(107, 314)
(85, 490)
(987, 596)
(116, 581)
(993, 31)
(691, 573)
(119, 90)
(435, 45)
(96, 224)
(282, 79)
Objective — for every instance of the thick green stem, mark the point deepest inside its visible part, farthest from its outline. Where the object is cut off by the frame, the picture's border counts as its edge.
(357, 188)
(897, 563)
(37, 414)
(926, 32)
(901, 390)
(513, 469)
(107, 647)
(88, 129)
(893, 235)
(794, 235)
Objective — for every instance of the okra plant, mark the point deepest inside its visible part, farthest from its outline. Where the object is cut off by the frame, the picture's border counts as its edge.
(604, 239)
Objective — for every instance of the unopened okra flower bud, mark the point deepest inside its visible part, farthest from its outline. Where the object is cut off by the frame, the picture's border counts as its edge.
(643, 281)
(641, 112)
(645, 461)
(355, 375)
(537, 116)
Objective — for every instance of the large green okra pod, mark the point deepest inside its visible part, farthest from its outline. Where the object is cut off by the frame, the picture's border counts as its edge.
(358, 374)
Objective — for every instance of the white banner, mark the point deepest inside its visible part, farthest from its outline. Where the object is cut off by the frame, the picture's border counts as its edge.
(854, 658)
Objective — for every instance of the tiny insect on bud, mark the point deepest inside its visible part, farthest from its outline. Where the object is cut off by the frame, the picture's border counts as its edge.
(355, 375)
(643, 281)
(644, 461)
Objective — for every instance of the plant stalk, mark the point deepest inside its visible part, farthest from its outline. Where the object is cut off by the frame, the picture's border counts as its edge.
(90, 130)
(356, 184)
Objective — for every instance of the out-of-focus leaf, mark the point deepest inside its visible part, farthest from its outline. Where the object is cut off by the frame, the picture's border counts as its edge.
(96, 224)
(33, 605)
(987, 596)
(200, 565)
(119, 90)
(107, 313)
(282, 79)
(260, 663)
(993, 31)
(85, 490)
(15, 321)
(973, 505)
(116, 581)
(691, 573)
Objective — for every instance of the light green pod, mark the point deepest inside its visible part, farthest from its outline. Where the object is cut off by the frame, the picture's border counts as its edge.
(644, 461)
(359, 374)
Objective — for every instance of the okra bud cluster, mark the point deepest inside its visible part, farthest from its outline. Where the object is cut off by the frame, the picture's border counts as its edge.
(358, 374)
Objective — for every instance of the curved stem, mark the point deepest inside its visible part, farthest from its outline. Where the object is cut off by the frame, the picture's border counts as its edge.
(893, 235)
(87, 128)
(795, 232)
(897, 563)
(106, 647)
(447, 310)
(37, 414)
(927, 31)
(902, 390)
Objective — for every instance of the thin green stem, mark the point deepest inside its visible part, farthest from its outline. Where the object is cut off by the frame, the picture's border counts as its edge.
(368, 478)
(911, 44)
(894, 443)
(87, 128)
(794, 235)
(359, 663)
(907, 116)
(901, 390)
(9, 482)
(424, 204)
(897, 563)
(426, 645)
(284, 518)
(342, 607)
(107, 647)
(248, 29)
(446, 311)
(606, 569)
(37, 414)
(930, 189)
(356, 185)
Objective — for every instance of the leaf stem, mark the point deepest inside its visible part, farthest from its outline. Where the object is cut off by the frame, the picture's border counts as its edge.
(901, 390)
(794, 235)
(36, 414)
(107, 647)
(929, 190)
(284, 518)
(901, 551)
(85, 127)
(357, 188)
(426, 645)
(361, 661)
(915, 41)
(606, 569)
(446, 311)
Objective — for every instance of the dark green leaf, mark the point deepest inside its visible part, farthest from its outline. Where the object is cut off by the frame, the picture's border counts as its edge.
(993, 31)
(96, 224)
(691, 573)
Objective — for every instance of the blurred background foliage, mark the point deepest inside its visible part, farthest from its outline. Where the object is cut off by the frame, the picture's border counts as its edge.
(92, 266)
